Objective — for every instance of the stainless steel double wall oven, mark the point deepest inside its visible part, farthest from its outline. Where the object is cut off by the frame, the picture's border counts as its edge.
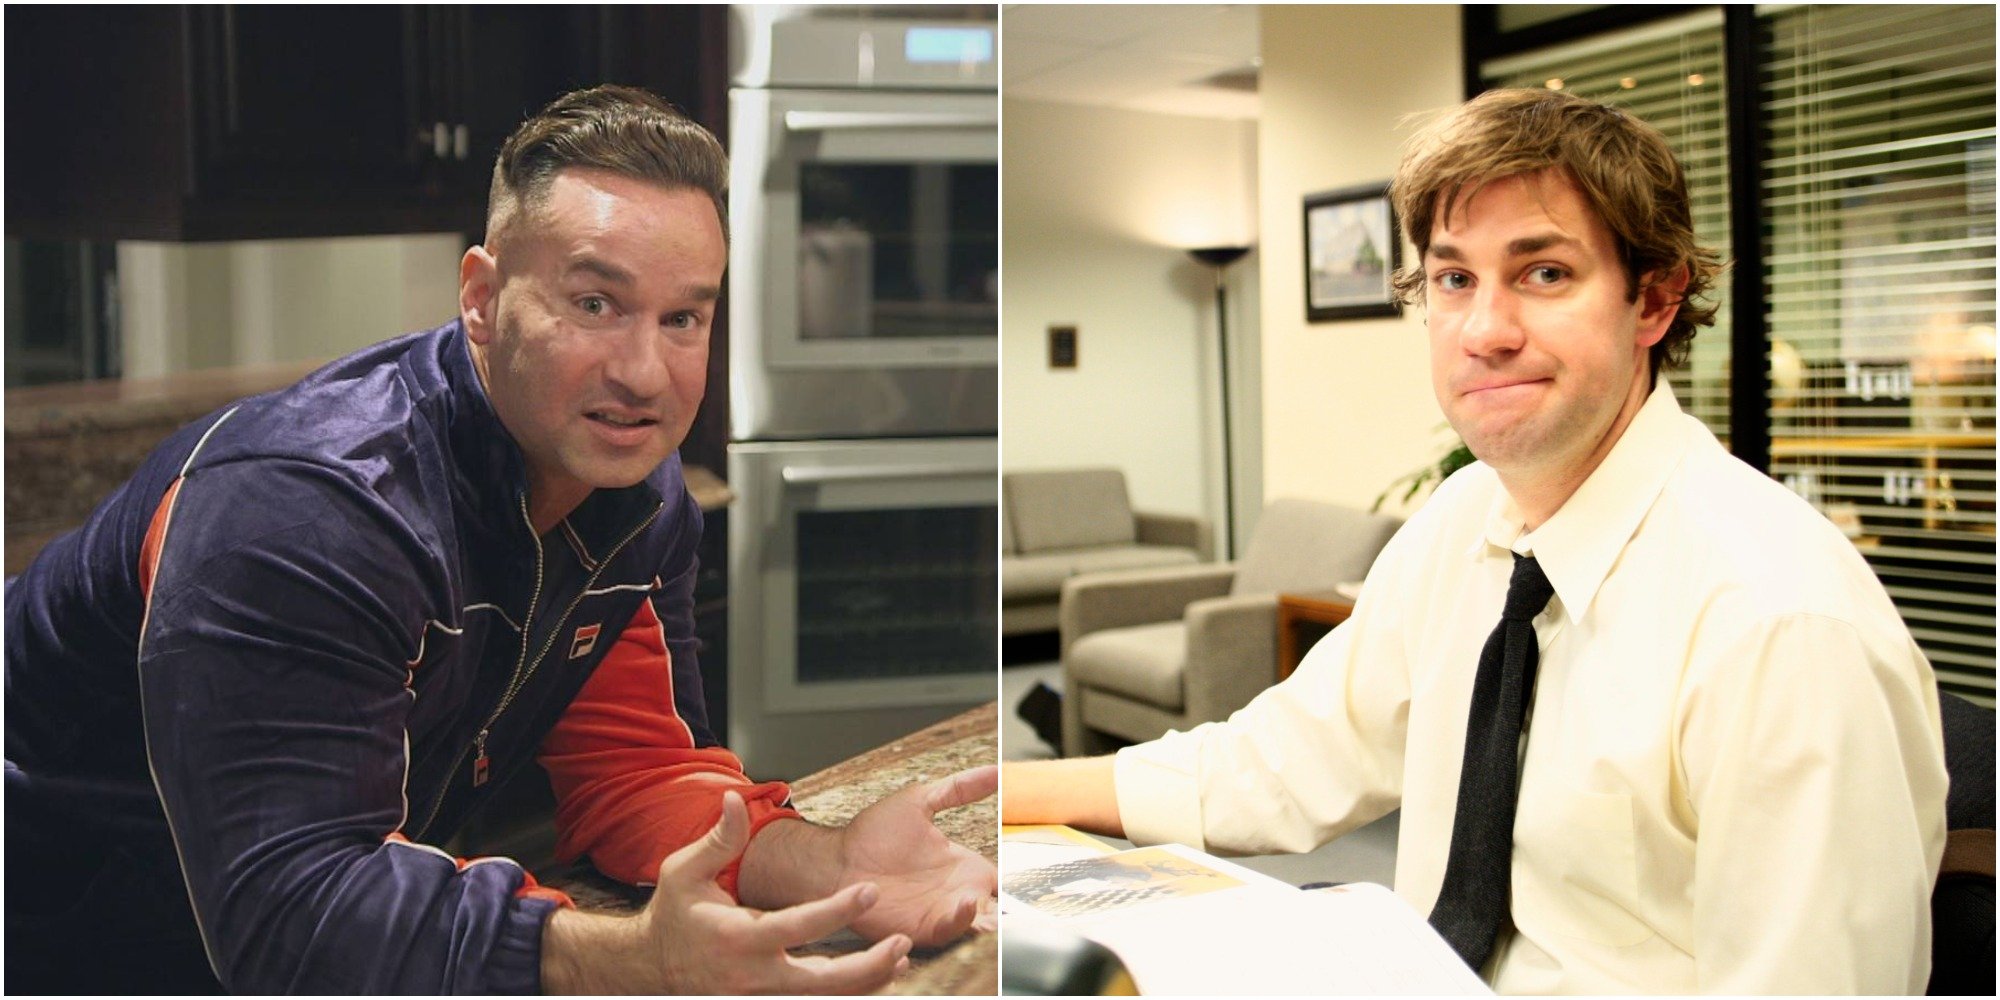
(864, 295)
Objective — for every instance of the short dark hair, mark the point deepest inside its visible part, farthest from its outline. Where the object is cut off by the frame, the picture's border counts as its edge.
(624, 130)
(1622, 166)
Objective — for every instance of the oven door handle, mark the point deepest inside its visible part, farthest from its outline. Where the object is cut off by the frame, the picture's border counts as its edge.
(839, 121)
(812, 475)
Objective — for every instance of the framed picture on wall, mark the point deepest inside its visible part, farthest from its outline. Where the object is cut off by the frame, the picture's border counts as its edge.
(1352, 250)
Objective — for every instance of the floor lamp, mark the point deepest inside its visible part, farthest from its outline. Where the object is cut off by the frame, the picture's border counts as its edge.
(1219, 258)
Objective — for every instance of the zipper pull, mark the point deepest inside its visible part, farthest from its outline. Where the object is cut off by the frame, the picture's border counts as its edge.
(480, 763)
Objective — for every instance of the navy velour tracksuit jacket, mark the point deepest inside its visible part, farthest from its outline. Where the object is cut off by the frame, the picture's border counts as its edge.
(312, 635)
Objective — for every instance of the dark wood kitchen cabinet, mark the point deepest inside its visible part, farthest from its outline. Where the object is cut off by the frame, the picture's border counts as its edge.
(201, 122)
(332, 99)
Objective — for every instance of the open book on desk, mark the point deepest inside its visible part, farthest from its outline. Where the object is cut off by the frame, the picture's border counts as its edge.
(1185, 922)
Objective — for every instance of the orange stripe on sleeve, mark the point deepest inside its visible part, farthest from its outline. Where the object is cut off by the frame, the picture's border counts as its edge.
(156, 536)
(530, 889)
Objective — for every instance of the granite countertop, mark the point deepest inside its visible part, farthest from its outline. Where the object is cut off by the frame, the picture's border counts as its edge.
(832, 797)
(73, 407)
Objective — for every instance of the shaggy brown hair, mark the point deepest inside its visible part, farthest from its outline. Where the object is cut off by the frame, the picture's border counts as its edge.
(624, 130)
(1621, 165)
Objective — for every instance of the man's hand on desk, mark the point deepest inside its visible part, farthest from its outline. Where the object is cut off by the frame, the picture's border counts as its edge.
(692, 938)
(931, 889)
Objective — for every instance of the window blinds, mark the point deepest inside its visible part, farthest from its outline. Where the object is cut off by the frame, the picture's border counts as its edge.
(1879, 214)
(1670, 74)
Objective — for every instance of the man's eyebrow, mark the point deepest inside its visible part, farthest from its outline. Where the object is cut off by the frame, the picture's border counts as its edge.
(1523, 247)
(1536, 244)
(705, 293)
(604, 269)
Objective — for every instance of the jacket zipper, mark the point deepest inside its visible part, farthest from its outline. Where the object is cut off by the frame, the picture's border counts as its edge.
(523, 668)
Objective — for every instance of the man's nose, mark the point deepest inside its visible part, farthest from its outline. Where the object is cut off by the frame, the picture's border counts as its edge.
(638, 364)
(1493, 325)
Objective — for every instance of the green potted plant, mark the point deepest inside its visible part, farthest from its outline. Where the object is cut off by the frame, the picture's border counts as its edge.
(1427, 477)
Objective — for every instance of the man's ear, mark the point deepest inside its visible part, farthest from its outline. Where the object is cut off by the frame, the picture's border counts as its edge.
(478, 293)
(1659, 302)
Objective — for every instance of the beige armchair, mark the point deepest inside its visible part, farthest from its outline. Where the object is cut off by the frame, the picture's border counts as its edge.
(1146, 651)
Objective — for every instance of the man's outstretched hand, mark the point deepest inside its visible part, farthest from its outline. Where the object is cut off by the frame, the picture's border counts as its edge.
(931, 889)
(692, 938)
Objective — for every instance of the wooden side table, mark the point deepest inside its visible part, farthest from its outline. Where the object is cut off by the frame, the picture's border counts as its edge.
(1304, 619)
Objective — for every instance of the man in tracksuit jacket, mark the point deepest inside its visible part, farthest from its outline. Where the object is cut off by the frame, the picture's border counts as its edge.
(318, 628)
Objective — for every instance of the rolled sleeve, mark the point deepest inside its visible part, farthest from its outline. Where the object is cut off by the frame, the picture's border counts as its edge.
(1159, 795)
(1305, 761)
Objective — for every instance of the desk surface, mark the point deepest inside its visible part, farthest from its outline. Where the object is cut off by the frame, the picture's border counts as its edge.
(832, 797)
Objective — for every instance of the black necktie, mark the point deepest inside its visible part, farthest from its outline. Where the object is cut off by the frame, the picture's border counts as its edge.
(1473, 902)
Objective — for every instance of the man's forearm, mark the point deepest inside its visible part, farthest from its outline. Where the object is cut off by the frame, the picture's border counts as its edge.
(596, 953)
(788, 862)
(1080, 792)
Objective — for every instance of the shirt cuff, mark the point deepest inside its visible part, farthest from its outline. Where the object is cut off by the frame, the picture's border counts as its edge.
(514, 966)
(1159, 795)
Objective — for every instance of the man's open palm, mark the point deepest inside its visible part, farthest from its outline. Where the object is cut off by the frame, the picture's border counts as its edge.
(931, 889)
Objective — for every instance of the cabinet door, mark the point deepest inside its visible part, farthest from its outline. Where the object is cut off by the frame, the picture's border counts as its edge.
(309, 98)
(518, 58)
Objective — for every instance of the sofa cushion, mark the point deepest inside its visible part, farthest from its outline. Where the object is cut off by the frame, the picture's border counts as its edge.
(1145, 662)
(1068, 509)
(1303, 545)
(1029, 616)
(1034, 578)
(1040, 577)
(1130, 557)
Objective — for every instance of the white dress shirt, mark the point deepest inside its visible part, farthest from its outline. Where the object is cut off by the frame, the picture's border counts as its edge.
(1733, 779)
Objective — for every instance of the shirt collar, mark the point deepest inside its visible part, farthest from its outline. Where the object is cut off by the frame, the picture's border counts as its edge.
(1578, 544)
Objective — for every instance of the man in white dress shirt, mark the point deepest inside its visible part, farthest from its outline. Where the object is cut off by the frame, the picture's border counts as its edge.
(1731, 777)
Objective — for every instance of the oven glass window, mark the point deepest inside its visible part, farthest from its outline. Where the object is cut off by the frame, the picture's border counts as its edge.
(896, 593)
(898, 250)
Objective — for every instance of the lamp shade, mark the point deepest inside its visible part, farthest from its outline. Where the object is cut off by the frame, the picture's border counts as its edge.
(1218, 256)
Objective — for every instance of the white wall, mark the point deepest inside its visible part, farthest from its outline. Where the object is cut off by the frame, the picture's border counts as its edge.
(1347, 405)
(185, 306)
(1099, 206)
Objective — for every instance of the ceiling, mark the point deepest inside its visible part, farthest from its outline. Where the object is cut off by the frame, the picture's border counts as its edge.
(1195, 59)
